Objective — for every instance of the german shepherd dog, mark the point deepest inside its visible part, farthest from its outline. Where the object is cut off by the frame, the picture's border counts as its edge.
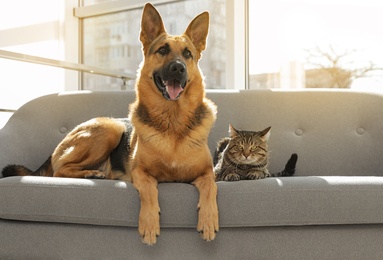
(164, 138)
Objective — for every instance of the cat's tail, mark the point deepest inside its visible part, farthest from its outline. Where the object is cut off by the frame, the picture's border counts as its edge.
(221, 146)
(289, 169)
(19, 170)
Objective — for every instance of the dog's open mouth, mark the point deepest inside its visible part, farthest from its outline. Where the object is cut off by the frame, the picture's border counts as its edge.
(171, 88)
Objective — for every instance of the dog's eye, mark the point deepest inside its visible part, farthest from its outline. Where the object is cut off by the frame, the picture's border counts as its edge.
(163, 50)
(187, 54)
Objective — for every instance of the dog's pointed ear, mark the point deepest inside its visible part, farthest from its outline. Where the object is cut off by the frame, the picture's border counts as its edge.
(197, 31)
(151, 25)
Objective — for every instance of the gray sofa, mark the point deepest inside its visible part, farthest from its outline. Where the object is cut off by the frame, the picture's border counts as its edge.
(331, 209)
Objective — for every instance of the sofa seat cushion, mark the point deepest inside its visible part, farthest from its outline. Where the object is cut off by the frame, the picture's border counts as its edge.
(287, 201)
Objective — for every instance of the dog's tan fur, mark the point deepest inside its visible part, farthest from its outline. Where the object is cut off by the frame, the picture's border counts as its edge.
(168, 142)
(84, 152)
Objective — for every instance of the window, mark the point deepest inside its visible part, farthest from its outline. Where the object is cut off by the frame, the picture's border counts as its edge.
(315, 44)
(32, 28)
(111, 41)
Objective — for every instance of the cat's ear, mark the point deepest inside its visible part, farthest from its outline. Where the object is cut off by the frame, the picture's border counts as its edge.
(233, 132)
(265, 134)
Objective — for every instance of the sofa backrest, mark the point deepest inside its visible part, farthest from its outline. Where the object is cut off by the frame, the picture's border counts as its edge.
(333, 132)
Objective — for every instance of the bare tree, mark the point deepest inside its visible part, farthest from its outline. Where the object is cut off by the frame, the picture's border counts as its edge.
(335, 68)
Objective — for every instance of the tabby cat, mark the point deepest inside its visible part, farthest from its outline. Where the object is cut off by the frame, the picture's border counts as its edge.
(245, 156)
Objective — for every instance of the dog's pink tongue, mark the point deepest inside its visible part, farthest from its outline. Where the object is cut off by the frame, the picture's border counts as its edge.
(173, 87)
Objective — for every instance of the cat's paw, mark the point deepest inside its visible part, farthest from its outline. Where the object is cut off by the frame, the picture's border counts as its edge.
(255, 175)
(232, 177)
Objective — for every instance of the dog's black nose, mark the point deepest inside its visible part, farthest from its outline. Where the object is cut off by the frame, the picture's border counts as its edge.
(177, 69)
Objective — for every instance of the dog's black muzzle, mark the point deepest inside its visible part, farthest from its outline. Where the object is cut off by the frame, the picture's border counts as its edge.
(171, 79)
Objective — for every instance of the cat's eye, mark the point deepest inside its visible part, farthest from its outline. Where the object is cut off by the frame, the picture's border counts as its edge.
(238, 149)
(254, 148)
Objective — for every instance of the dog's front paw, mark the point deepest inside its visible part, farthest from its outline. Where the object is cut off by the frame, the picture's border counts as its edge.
(149, 226)
(208, 223)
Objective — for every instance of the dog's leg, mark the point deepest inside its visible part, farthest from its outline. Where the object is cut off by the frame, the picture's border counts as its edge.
(207, 206)
(149, 219)
(79, 162)
(86, 148)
